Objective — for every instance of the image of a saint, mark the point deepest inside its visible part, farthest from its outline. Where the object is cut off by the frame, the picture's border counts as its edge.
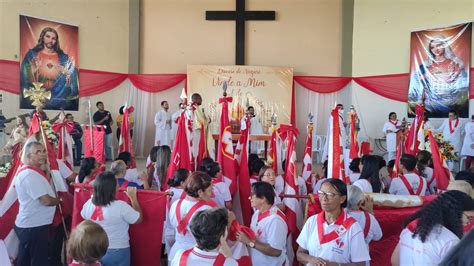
(441, 78)
(48, 64)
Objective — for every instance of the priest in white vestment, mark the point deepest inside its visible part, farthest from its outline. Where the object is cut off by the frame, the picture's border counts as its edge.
(452, 129)
(163, 126)
(468, 145)
(256, 128)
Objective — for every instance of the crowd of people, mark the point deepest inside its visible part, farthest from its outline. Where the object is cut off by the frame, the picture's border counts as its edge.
(201, 209)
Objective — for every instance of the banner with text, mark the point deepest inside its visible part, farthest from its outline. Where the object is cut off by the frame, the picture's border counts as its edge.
(267, 89)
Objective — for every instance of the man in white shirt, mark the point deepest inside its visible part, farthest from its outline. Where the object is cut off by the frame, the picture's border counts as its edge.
(255, 129)
(452, 130)
(409, 183)
(163, 126)
(37, 206)
(209, 228)
(468, 145)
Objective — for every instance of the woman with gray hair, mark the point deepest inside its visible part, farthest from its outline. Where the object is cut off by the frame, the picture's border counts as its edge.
(361, 207)
(119, 169)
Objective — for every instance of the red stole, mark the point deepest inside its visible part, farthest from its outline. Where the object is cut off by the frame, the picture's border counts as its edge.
(394, 124)
(269, 212)
(124, 184)
(451, 129)
(97, 215)
(219, 261)
(344, 225)
(34, 168)
(183, 223)
(367, 224)
(408, 186)
(217, 180)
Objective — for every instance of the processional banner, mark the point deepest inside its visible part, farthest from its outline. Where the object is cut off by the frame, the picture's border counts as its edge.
(439, 70)
(49, 64)
(267, 89)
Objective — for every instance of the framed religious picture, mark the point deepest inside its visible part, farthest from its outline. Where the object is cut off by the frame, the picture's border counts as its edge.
(439, 70)
(48, 64)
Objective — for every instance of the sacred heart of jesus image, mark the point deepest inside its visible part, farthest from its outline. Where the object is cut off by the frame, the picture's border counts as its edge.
(339, 243)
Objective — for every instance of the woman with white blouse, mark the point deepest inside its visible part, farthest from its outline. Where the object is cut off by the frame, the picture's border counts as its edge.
(332, 236)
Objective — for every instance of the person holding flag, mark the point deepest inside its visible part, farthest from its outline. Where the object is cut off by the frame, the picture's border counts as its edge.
(408, 183)
(37, 202)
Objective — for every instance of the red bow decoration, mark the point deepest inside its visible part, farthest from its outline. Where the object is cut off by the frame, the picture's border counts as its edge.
(57, 126)
(284, 131)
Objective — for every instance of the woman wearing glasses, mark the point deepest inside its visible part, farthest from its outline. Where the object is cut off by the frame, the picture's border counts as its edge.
(267, 175)
(332, 236)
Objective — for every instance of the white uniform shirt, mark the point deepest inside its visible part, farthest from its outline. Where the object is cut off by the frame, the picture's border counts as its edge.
(163, 129)
(132, 176)
(397, 187)
(270, 230)
(118, 215)
(391, 137)
(430, 180)
(186, 241)
(375, 232)
(348, 247)
(354, 177)
(221, 193)
(169, 231)
(174, 124)
(30, 186)
(467, 150)
(64, 170)
(279, 184)
(201, 258)
(455, 137)
(436, 246)
(364, 185)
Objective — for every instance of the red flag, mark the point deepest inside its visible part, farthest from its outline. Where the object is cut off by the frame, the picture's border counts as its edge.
(180, 157)
(64, 128)
(98, 137)
(396, 167)
(308, 159)
(335, 147)
(354, 148)
(225, 152)
(145, 238)
(125, 142)
(244, 176)
(412, 143)
(441, 171)
(273, 151)
(289, 134)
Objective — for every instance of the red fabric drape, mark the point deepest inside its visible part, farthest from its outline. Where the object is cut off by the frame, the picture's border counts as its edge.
(393, 86)
(93, 82)
(155, 83)
(322, 84)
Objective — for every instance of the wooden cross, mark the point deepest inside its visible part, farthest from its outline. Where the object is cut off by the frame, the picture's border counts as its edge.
(240, 15)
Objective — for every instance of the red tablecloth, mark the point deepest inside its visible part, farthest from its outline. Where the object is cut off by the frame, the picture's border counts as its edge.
(390, 220)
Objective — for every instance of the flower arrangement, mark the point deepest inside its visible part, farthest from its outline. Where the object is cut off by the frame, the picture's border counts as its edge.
(445, 147)
(5, 168)
(52, 137)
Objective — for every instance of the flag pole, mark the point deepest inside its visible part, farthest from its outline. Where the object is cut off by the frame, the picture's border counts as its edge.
(91, 130)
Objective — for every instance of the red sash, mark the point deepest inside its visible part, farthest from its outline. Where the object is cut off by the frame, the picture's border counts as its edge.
(344, 225)
(408, 186)
(367, 224)
(451, 129)
(183, 223)
(34, 168)
(124, 184)
(217, 180)
(394, 124)
(269, 212)
(219, 261)
(97, 215)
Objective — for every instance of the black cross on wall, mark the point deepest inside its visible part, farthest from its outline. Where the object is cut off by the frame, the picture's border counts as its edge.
(240, 15)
